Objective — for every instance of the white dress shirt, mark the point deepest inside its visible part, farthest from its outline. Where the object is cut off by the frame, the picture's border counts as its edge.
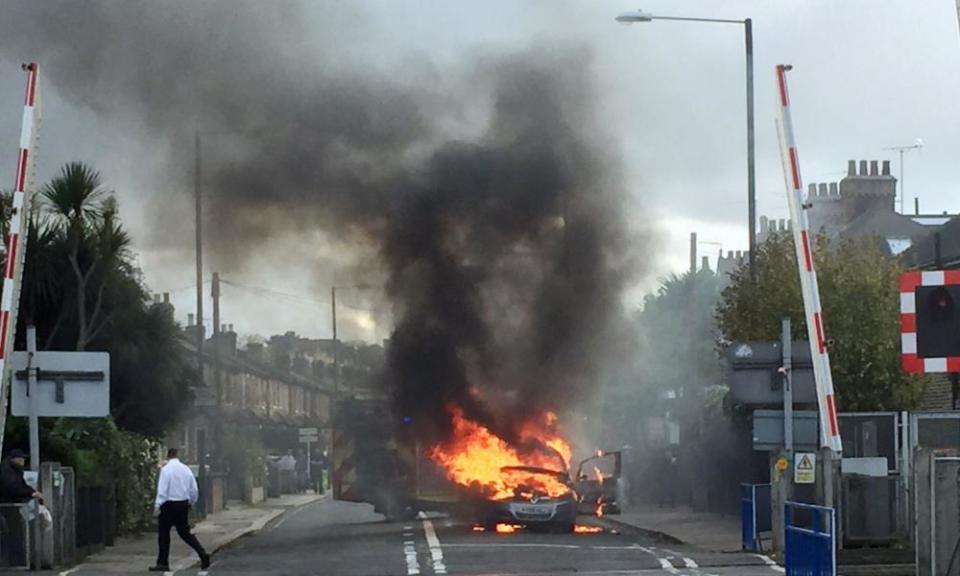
(176, 484)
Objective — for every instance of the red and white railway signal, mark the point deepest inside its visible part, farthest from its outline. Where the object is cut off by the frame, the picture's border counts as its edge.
(930, 321)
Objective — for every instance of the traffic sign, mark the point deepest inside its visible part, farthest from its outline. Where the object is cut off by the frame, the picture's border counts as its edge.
(805, 468)
(309, 435)
(73, 384)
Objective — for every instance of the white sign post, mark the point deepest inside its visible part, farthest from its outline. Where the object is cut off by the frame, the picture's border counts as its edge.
(308, 436)
(74, 384)
(805, 468)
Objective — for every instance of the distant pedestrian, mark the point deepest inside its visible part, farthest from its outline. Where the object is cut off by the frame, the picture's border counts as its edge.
(13, 488)
(176, 492)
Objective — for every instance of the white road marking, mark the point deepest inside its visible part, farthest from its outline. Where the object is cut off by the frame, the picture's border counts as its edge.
(410, 551)
(689, 563)
(436, 553)
(518, 545)
(773, 565)
(70, 571)
(667, 566)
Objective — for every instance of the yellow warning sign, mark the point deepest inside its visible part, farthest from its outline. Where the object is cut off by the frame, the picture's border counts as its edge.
(804, 468)
(782, 464)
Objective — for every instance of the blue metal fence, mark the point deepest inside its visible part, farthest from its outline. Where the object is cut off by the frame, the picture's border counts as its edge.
(754, 515)
(811, 533)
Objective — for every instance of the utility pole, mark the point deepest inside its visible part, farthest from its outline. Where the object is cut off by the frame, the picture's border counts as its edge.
(336, 343)
(198, 211)
(215, 294)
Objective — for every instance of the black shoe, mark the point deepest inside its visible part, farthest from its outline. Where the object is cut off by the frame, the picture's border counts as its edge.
(204, 561)
(160, 568)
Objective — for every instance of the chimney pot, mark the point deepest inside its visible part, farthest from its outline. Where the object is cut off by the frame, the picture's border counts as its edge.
(729, 254)
(886, 167)
(156, 298)
(190, 319)
(823, 190)
(811, 189)
(229, 327)
(863, 167)
(874, 168)
(834, 189)
(166, 297)
(783, 225)
(705, 263)
(851, 168)
(764, 225)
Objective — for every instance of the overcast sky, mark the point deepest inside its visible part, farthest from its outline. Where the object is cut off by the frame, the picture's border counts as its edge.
(867, 75)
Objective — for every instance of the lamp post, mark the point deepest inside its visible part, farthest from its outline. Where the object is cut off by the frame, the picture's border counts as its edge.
(641, 16)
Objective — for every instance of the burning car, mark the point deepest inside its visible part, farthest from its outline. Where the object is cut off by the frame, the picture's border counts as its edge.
(543, 499)
(598, 484)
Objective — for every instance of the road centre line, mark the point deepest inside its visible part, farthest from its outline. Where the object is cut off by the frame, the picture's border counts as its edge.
(436, 553)
(410, 551)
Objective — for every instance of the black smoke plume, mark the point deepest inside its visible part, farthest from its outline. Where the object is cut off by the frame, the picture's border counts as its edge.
(485, 193)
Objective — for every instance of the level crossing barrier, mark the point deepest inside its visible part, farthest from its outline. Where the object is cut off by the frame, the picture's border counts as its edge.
(811, 534)
(754, 515)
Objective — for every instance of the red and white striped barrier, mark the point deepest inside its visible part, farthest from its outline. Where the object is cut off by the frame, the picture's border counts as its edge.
(909, 282)
(829, 425)
(16, 243)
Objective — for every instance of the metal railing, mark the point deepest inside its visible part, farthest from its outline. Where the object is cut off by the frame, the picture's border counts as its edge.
(811, 533)
(754, 515)
(17, 532)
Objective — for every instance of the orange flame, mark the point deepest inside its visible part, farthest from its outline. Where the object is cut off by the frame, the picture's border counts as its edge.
(599, 476)
(579, 529)
(474, 457)
(507, 528)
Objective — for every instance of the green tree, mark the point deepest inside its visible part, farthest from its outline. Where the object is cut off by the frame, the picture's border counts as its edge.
(861, 312)
(82, 292)
(674, 339)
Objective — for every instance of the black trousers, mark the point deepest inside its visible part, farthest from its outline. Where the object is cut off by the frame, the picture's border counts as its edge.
(175, 515)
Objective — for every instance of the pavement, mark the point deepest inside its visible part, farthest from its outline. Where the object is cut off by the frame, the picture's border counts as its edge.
(714, 532)
(133, 555)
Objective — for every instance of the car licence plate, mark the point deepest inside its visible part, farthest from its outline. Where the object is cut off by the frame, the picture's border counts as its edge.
(533, 510)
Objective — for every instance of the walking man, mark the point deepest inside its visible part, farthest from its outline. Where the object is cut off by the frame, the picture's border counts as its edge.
(176, 492)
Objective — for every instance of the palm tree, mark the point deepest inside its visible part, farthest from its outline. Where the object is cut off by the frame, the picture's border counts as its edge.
(85, 217)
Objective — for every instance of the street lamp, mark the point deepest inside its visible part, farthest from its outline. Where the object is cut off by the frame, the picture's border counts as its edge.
(641, 16)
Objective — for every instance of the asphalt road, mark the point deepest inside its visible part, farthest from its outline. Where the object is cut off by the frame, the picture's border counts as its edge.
(332, 538)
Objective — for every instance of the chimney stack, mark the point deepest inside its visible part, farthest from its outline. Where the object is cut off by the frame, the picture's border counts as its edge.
(886, 167)
(851, 168)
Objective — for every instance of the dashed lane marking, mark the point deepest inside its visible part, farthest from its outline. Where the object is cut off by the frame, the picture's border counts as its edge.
(436, 553)
(410, 551)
